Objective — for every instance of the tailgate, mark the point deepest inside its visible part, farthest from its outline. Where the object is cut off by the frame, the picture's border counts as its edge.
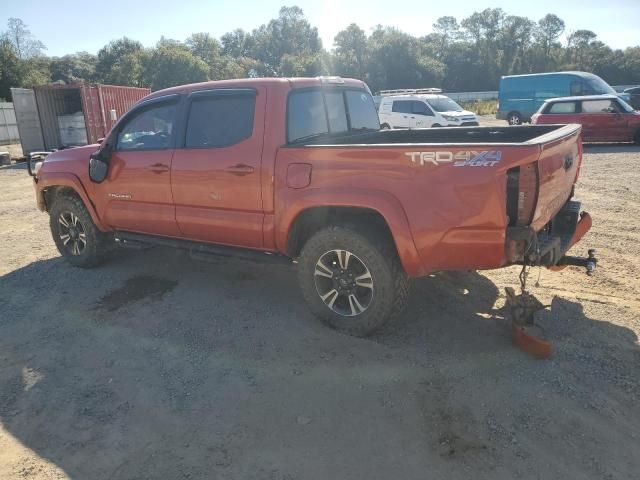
(558, 167)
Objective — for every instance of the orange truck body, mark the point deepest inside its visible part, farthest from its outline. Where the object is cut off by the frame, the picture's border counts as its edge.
(447, 204)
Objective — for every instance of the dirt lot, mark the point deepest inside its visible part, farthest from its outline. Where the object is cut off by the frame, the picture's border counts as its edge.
(157, 366)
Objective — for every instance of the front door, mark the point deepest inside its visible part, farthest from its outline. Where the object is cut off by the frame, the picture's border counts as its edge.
(215, 173)
(136, 195)
(601, 121)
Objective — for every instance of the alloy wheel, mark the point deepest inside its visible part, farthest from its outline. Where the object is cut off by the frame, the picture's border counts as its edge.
(343, 282)
(72, 233)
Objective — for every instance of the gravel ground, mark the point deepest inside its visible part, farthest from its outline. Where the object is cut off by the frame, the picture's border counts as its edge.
(157, 366)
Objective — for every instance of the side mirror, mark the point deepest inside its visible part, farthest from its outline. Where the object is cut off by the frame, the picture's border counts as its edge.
(99, 164)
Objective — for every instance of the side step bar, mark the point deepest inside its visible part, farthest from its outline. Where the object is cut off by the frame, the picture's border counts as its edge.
(197, 250)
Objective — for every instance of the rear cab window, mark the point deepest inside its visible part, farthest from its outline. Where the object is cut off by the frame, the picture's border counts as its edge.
(327, 111)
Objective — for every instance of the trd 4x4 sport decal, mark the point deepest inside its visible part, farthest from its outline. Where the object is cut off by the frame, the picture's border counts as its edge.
(486, 158)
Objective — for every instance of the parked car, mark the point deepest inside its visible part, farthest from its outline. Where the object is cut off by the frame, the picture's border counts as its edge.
(604, 118)
(361, 209)
(634, 97)
(520, 96)
(417, 110)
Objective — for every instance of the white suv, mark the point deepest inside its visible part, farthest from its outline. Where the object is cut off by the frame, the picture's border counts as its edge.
(422, 111)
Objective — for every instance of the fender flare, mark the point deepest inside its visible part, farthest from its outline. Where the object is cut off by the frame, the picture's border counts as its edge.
(388, 206)
(70, 180)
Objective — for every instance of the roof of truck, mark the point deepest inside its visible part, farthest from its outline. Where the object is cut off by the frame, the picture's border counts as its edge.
(296, 82)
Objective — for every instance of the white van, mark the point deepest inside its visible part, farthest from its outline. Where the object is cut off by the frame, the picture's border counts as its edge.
(422, 110)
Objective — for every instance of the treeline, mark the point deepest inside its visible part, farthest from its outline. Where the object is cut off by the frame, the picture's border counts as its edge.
(458, 56)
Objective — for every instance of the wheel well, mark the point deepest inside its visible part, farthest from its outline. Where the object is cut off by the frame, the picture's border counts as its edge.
(314, 219)
(51, 194)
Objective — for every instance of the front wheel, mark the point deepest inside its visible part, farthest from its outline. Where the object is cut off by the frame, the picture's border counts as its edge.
(385, 126)
(353, 282)
(78, 240)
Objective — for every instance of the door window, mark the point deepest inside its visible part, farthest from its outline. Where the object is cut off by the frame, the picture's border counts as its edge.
(402, 106)
(599, 106)
(421, 108)
(219, 120)
(149, 129)
(562, 108)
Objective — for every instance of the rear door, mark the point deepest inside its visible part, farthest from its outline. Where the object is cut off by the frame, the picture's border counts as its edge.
(215, 176)
(137, 191)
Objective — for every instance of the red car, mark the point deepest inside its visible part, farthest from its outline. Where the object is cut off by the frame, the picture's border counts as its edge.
(604, 118)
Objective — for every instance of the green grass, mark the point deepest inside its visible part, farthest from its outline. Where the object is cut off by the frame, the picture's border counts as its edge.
(480, 107)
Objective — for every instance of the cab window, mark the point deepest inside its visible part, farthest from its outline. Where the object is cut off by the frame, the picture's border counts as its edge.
(599, 106)
(562, 108)
(576, 88)
(219, 120)
(402, 106)
(149, 129)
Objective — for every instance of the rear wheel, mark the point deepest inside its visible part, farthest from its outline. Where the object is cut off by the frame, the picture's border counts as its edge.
(385, 126)
(514, 118)
(353, 282)
(636, 138)
(78, 240)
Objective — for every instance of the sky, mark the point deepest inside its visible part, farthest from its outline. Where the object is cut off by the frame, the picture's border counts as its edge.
(69, 26)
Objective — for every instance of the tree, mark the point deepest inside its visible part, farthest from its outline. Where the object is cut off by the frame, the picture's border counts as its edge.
(10, 73)
(397, 60)
(172, 63)
(24, 43)
(289, 34)
(121, 62)
(77, 67)
(351, 52)
(578, 44)
(548, 30)
(446, 30)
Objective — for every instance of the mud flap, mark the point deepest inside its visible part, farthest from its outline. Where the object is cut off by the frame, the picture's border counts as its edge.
(520, 311)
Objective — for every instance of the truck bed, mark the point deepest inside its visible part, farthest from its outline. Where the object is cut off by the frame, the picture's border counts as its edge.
(528, 134)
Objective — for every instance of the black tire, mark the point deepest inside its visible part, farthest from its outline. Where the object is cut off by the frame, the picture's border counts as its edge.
(389, 284)
(79, 242)
(436, 125)
(385, 126)
(636, 138)
(514, 118)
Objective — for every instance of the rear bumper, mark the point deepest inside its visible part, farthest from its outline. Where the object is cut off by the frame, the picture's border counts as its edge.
(548, 246)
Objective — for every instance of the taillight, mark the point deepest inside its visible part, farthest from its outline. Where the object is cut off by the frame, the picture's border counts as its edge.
(522, 194)
(579, 158)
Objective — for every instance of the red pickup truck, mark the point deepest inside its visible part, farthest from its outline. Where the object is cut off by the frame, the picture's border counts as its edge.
(298, 169)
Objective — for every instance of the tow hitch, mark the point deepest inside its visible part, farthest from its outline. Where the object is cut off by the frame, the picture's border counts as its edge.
(588, 263)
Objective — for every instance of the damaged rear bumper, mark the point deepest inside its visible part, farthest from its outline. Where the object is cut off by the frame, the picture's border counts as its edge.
(548, 247)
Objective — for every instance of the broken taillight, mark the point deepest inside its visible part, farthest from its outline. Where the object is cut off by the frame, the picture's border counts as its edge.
(522, 194)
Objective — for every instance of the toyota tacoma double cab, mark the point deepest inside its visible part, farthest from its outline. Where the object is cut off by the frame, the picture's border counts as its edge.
(299, 170)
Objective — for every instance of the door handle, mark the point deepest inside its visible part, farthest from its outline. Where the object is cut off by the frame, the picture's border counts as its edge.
(239, 169)
(159, 168)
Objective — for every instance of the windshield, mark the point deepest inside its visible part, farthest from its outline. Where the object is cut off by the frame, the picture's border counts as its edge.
(444, 104)
(318, 112)
(598, 85)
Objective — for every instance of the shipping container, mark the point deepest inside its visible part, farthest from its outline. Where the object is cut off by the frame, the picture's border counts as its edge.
(93, 107)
